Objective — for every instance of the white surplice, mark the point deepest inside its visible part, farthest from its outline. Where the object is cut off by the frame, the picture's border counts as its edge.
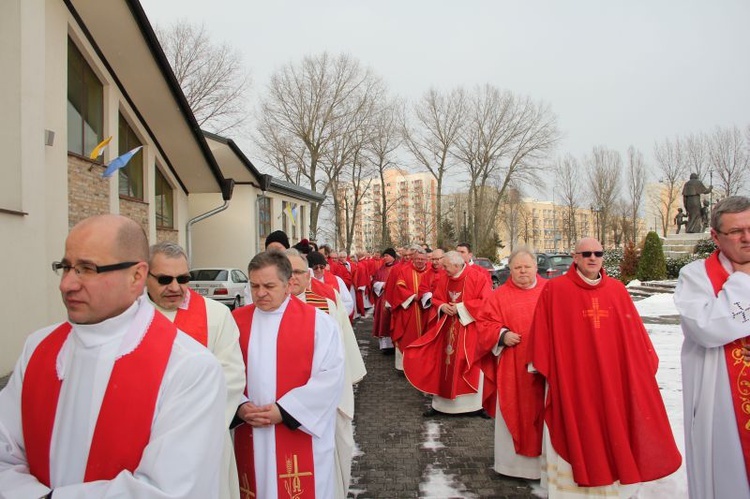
(223, 341)
(714, 459)
(354, 372)
(182, 457)
(313, 404)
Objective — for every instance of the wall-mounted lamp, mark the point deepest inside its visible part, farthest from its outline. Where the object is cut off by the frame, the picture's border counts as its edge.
(49, 138)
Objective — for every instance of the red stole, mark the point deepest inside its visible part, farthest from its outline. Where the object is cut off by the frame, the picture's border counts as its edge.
(330, 279)
(294, 450)
(123, 427)
(320, 288)
(739, 374)
(194, 319)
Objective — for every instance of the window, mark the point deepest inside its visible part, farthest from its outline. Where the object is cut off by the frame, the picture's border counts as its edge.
(264, 217)
(85, 104)
(289, 218)
(163, 202)
(131, 175)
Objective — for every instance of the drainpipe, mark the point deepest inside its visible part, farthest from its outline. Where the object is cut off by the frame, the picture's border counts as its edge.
(264, 181)
(227, 188)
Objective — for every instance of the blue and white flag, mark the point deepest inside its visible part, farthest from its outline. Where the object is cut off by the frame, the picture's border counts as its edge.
(119, 162)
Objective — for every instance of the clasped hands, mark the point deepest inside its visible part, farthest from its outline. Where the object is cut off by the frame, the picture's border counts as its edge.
(449, 308)
(259, 416)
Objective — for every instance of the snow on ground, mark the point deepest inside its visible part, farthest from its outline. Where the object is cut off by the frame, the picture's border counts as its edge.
(667, 340)
(432, 436)
(436, 483)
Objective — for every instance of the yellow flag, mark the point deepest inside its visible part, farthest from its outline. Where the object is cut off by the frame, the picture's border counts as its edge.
(99, 149)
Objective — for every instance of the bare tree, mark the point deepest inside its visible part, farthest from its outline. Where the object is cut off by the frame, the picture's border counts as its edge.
(636, 178)
(694, 150)
(211, 75)
(568, 187)
(604, 167)
(504, 140)
(384, 146)
(307, 109)
(729, 158)
(436, 121)
(511, 215)
(671, 172)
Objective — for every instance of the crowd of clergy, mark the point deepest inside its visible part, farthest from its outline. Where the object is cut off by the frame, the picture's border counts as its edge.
(150, 390)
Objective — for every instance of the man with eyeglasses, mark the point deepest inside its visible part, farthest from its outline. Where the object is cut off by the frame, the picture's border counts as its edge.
(606, 426)
(115, 401)
(713, 299)
(325, 298)
(208, 322)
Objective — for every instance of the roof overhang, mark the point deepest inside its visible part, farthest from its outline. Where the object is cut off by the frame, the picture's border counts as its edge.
(122, 35)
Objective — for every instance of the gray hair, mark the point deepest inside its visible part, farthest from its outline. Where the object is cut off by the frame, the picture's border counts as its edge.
(732, 204)
(293, 252)
(454, 257)
(168, 249)
(523, 250)
(417, 249)
(272, 258)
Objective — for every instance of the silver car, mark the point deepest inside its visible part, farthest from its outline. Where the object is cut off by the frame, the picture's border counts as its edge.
(221, 284)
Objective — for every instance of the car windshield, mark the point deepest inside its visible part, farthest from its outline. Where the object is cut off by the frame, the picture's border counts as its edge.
(208, 275)
(561, 260)
(483, 262)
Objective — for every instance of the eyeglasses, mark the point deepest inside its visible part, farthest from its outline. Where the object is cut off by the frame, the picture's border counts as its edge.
(587, 254)
(318, 267)
(735, 233)
(166, 280)
(300, 272)
(85, 270)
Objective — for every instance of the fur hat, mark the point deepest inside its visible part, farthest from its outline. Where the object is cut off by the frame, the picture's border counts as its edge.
(315, 258)
(389, 251)
(278, 236)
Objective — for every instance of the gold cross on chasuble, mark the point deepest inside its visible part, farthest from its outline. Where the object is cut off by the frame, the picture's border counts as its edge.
(293, 485)
(245, 488)
(596, 313)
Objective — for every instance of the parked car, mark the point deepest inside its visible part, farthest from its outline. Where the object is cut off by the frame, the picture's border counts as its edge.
(551, 265)
(224, 285)
(487, 264)
(503, 275)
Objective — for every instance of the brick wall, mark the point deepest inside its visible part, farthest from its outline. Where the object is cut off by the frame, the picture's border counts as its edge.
(137, 210)
(88, 192)
(167, 235)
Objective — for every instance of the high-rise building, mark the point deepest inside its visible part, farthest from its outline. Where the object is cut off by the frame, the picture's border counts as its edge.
(409, 201)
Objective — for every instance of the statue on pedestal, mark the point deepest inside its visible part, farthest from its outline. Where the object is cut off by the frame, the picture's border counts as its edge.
(691, 199)
(679, 219)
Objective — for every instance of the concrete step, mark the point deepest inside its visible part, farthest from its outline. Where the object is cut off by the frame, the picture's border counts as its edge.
(649, 288)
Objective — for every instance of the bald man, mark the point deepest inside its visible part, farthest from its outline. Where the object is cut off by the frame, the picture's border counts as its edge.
(115, 401)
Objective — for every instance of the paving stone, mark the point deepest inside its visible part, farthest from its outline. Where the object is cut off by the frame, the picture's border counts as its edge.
(390, 433)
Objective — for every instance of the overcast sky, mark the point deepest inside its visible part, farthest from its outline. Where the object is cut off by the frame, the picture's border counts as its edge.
(615, 73)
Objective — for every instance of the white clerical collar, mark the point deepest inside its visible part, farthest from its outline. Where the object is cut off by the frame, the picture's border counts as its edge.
(278, 311)
(726, 263)
(128, 328)
(460, 271)
(530, 286)
(592, 282)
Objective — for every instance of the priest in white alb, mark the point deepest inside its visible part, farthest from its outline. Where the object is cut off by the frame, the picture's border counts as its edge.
(713, 299)
(115, 401)
(208, 322)
(325, 298)
(295, 370)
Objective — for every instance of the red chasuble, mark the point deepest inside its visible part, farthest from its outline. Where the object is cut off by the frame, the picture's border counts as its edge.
(507, 380)
(739, 375)
(294, 449)
(381, 326)
(408, 323)
(604, 411)
(330, 279)
(442, 361)
(123, 427)
(194, 319)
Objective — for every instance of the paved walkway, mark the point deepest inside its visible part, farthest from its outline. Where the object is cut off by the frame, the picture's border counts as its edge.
(404, 455)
